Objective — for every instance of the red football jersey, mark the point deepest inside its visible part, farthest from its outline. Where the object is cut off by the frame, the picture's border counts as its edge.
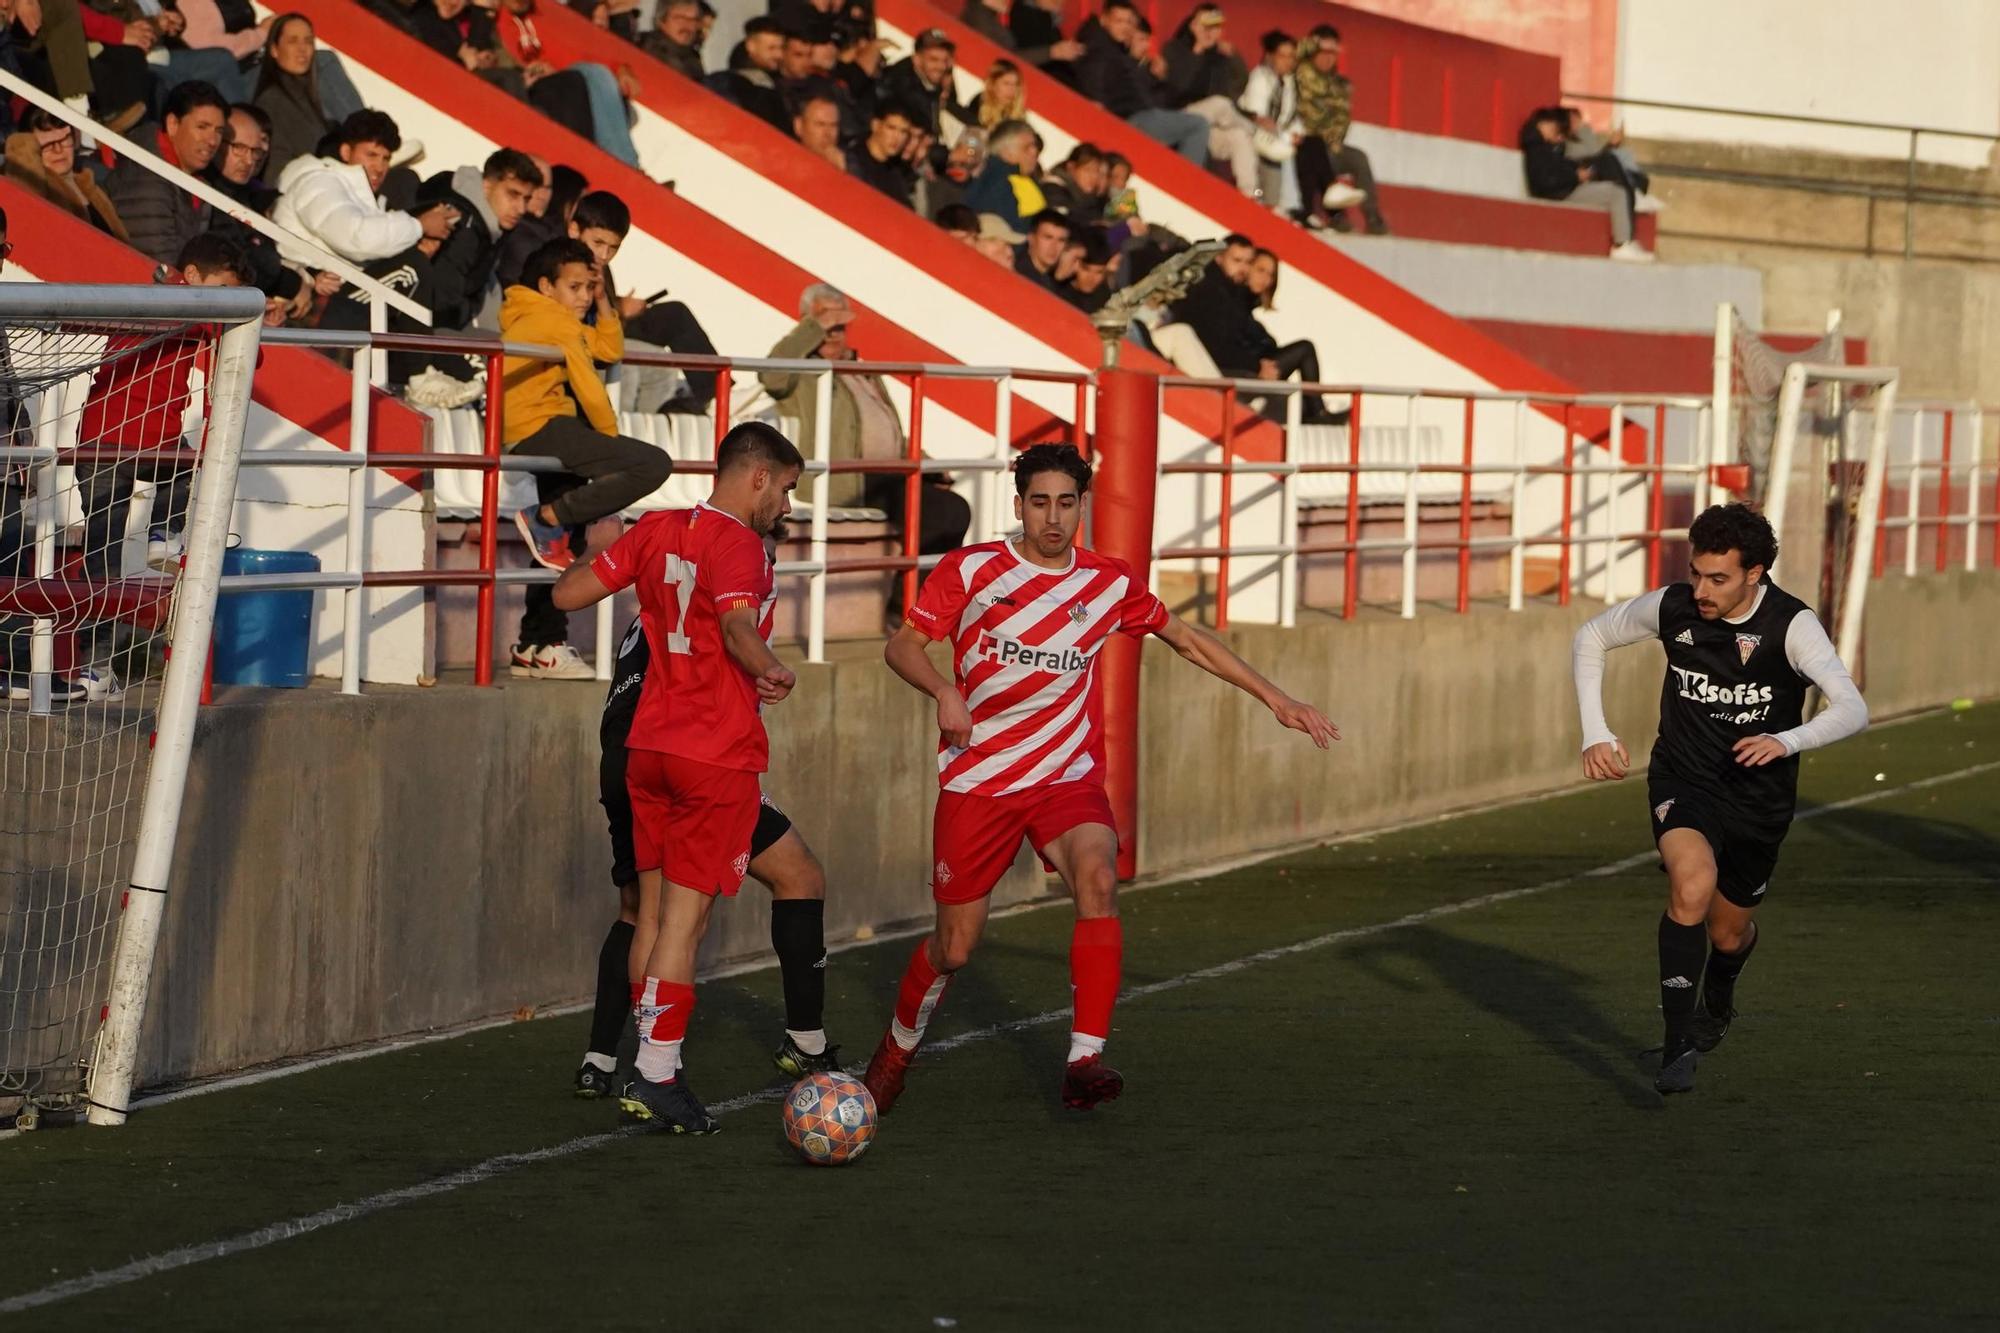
(1024, 648)
(691, 567)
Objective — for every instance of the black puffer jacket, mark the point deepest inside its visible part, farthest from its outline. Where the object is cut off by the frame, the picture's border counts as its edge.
(1220, 313)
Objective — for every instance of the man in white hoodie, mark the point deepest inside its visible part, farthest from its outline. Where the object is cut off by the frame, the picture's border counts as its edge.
(336, 201)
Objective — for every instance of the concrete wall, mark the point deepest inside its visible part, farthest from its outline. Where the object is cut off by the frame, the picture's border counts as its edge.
(355, 868)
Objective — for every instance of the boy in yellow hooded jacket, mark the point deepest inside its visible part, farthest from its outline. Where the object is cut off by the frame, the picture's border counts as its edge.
(561, 410)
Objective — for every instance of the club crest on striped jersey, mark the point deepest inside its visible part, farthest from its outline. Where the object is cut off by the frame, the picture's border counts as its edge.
(1746, 644)
(1078, 613)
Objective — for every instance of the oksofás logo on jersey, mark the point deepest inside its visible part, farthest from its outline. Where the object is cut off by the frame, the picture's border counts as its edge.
(1697, 687)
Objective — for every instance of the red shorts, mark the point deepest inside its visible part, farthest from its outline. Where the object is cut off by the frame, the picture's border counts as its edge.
(974, 838)
(692, 821)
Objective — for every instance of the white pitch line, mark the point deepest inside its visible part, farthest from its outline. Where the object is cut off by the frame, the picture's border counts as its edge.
(186, 1255)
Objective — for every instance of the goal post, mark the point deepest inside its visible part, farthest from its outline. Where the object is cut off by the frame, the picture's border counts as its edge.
(124, 407)
(1848, 500)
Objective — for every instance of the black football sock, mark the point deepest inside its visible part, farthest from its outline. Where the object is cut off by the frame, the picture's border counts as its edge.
(798, 935)
(1718, 987)
(614, 992)
(1681, 951)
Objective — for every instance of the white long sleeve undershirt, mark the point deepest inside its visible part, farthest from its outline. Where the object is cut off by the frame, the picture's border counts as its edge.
(1806, 647)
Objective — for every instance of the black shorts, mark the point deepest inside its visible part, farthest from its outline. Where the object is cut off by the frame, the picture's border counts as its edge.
(772, 823)
(1746, 851)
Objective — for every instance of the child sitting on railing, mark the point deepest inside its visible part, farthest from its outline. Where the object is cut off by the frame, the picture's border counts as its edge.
(604, 471)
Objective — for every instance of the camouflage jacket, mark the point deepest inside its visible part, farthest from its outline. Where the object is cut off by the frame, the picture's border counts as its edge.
(1325, 101)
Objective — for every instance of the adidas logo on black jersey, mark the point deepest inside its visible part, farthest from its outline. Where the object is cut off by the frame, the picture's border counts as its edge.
(1686, 636)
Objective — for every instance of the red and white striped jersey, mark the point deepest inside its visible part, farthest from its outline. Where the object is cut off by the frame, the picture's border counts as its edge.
(1024, 650)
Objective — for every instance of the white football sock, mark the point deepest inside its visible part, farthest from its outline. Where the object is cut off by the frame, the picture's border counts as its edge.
(599, 1060)
(1082, 1045)
(812, 1043)
(659, 1061)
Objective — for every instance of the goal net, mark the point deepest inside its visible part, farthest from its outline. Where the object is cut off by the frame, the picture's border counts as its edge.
(1828, 465)
(1749, 374)
(121, 420)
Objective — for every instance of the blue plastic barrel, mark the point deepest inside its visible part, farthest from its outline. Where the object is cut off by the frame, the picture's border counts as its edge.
(264, 638)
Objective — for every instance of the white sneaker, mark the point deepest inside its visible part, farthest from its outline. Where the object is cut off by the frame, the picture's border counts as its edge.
(97, 686)
(1632, 253)
(1341, 195)
(164, 551)
(431, 387)
(550, 661)
(1648, 204)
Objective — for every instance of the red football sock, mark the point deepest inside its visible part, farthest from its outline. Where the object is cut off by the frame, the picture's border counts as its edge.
(917, 998)
(1096, 952)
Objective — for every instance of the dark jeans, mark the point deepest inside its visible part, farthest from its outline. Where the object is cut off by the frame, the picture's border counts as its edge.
(605, 473)
(943, 517)
(107, 489)
(673, 326)
(1300, 359)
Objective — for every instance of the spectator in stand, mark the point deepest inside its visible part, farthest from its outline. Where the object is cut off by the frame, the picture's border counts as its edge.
(605, 89)
(1090, 285)
(136, 404)
(561, 410)
(880, 160)
(467, 295)
(602, 221)
(1205, 76)
(1597, 184)
(1263, 279)
(1583, 143)
(547, 219)
(1271, 100)
(958, 222)
(1006, 185)
(676, 41)
(922, 87)
(288, 92)
(471, 36)
(51, 43)
(860, 66)
(1039, 258)
(424, 378)
(996, 240)
(41, 157)
(335, 201)
(620, 18)
(962, 166)
(864, 426)
(751, 81)
(1219, 309)
(1077, 186)
(157, 31)
(235, 34)
(160, 217)
(1001, 100)
(246, 138)
(1110, 75)
(1326, 110)
(817, 126)
(1034, 35)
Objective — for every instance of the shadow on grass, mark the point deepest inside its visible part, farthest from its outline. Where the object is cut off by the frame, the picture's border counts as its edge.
(1955, 851)
(1544, 999)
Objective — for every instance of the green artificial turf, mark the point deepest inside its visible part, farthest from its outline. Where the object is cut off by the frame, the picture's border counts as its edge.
(1445, 1123)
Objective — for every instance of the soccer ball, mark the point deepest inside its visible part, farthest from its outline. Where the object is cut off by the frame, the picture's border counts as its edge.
(829, 1118)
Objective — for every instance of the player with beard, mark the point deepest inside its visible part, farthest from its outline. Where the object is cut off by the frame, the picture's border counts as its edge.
(1741, 653)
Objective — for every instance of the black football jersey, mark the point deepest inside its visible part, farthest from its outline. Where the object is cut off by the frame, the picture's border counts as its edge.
(621, 701)
(1724, 682)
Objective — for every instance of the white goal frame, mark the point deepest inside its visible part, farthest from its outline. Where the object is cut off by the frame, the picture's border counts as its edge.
(238, 313)
(1884, 380)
